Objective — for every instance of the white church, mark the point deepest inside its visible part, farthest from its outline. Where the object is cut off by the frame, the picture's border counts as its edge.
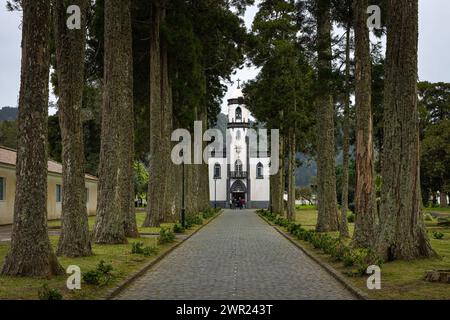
(235, 175)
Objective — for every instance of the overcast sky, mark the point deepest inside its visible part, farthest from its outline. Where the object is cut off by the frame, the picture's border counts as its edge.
(434, 48)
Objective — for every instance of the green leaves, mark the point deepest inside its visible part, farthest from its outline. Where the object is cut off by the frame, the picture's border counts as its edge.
(281, 95)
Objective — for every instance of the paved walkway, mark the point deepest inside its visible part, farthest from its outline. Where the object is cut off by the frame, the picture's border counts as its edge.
(237, 256)
(5, 233)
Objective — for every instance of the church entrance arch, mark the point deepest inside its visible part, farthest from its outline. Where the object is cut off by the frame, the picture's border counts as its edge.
(238, 191)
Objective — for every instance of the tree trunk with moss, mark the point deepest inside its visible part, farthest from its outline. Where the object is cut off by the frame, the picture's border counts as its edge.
(365, 197)
(156, 181)
(326, 169)
(70, 57)
(443, 200)
(110, 221)
(204, 168)
(343, 224)
(126, 179)
(291, 174)
(30, 253)
(277, 184)
(402, 230)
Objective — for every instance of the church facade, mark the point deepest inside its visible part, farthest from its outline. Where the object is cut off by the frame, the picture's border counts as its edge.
(236, 174)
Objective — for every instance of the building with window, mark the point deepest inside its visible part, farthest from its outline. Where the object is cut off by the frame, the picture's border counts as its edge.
(237, 173)
(54, 190)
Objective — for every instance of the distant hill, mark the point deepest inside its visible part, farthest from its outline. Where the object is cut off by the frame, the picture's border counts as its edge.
(306, 171)
(8, 114)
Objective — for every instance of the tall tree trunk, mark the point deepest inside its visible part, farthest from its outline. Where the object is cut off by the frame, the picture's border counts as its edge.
(166, 123)
(30, 253)
(291, 175)
(190, 189)
(204, 169)
(443, 200)
(70, 52)
(365, 197)
(277, 184)
(326, 169)
(402, 230)
(156, 185)
(110, 222)
(126, 176)
(343, 225)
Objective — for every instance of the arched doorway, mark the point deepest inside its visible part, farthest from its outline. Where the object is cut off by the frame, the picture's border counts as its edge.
(238, 191)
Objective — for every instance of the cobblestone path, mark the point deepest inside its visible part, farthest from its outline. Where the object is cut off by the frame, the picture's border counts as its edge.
(237, 256)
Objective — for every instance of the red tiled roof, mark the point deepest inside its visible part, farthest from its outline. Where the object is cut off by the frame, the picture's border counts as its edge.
(8, 157)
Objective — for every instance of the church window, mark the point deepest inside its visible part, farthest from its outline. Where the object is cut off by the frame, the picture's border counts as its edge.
(238, 166)
(260, 171)
(2, 188)
(217, 171)
(238, 114)
(58, 193)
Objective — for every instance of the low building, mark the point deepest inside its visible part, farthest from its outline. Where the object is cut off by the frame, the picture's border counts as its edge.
(54, 197)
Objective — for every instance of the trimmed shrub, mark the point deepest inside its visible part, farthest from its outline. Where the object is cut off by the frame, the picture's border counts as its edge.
(282, 222)
(293, 228)
(46, 293)
(166, 235)
(178, 228)
(139, 248)
(99, 276)
(340, 251)
(351, 218)
(193, 220)
(361, 259)
(438, 235)
(210, 212)
(92, 277)
(443, 222)
(136, 247)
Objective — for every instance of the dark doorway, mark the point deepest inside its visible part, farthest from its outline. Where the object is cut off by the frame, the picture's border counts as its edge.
(238, 195)
(238, 199)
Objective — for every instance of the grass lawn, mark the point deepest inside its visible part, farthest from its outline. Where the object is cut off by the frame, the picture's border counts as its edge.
(400, 279)
(119, 256)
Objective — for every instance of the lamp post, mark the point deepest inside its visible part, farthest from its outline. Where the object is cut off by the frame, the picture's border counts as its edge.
(183, 208)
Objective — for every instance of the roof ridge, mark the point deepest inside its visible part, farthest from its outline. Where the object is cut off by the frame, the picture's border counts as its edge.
(7, 148)
(49, 160)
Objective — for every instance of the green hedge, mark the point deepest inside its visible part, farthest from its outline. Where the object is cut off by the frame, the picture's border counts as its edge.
(359, 259)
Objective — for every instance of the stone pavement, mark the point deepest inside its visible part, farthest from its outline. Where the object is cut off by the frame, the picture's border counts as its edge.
(5, 233)
(237, 256)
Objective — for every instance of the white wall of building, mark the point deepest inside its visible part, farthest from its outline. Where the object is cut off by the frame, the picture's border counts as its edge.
(260, 188)
(54, 207)
(237, 150)
(220, 184)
